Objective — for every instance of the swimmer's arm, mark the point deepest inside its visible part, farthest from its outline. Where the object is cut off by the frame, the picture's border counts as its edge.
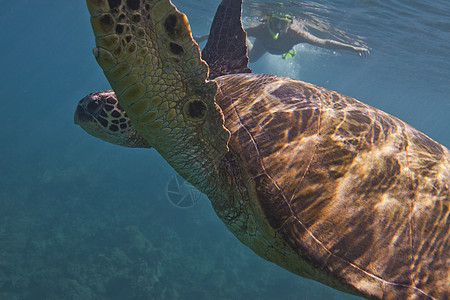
(255, 31)
(201, 38)
(251, 31)
(302, 36)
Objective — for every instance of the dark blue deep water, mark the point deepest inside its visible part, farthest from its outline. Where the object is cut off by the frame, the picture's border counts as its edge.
(83, 219)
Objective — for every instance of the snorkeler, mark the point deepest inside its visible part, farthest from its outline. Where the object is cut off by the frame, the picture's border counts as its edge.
(279, 33)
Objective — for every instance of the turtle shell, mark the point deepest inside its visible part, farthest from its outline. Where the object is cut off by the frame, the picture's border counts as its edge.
(339, 192)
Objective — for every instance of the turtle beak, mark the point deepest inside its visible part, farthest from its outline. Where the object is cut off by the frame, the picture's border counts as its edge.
(88, 123)
(76, 118)
(84, 113)
(81, 115)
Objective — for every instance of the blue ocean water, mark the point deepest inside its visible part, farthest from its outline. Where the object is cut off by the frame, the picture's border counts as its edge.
(83, 219)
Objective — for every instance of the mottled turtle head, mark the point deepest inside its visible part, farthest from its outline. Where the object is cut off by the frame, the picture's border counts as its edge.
(100, 115)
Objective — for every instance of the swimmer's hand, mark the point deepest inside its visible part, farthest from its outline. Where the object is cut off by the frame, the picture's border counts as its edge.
(362, 52)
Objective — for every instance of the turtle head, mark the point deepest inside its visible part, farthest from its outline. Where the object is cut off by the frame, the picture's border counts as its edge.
(100, 115)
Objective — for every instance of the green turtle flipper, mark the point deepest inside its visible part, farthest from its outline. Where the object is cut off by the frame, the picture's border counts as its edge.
(147, 53)
(146, 50)
(226, 49)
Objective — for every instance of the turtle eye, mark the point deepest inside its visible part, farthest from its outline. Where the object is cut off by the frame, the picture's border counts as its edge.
(93, 107)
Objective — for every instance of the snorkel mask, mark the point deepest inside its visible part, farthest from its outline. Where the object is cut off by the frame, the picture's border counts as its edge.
(277, 23)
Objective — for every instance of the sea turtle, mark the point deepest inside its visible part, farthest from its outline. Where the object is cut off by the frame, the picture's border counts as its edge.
(317, 182)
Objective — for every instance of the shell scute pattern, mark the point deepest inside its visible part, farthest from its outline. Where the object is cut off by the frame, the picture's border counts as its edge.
(336, 184)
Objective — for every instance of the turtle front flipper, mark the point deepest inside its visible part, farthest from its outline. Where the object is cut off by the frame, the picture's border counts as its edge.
(146, 51)
(226, 49)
